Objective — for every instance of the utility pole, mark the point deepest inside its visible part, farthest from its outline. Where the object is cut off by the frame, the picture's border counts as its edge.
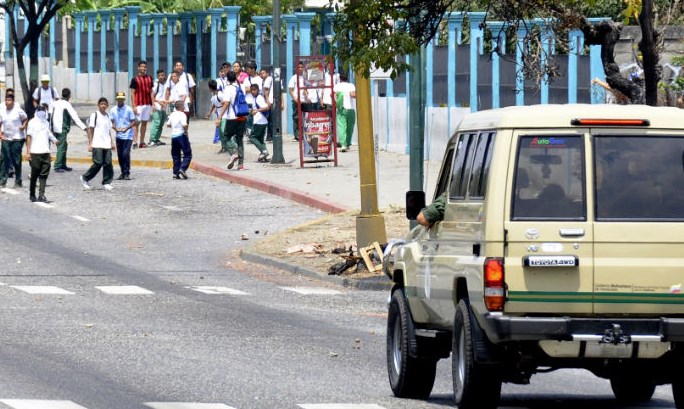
(370, 225)
(277, 96)
(417, 84)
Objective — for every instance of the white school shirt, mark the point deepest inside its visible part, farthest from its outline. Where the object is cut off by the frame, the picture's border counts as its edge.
(346, 88)
(176, 120)
(39, 130)
(160, 93)
(268, 84)
(293, 84)
(258, 102)
(102, 136)
(185, 81)
(177, 92)
(12, 121)
(229, 94)
(46, 96)
(217, 102)
(329, 80)
(57, 115)
(247, 84)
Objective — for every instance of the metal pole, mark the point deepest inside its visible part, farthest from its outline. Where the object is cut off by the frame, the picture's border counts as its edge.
(277, 96)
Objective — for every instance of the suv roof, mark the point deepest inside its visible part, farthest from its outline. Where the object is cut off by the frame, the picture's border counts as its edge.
(560, 116)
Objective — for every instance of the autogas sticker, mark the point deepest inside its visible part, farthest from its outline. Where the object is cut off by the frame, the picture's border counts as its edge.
(550, 261)
(427, 279)
(547, 142)
(552, 247)
(532, 234)
(676, 289)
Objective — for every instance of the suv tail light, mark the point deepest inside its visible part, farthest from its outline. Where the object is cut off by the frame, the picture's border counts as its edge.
(494, 291)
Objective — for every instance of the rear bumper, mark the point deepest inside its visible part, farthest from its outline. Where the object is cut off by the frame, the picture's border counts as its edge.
(500, 328)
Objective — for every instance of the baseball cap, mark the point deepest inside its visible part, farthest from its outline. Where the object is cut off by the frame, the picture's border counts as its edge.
(44, 78)
(120, 95)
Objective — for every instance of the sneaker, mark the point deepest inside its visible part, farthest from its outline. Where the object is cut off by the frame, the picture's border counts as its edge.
(32, 198)
(18, 183)
(182, 174)
(43, 199)
(68, 169)
(60, 170)
(86, 185)
(135, 146)
(127, 177)
(108, 187)
(159, 143)
(143, 145)
(343, 149)
(232, 161)
(176, 176)
(241, 167)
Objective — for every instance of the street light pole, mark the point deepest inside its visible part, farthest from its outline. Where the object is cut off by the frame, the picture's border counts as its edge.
(277, 96)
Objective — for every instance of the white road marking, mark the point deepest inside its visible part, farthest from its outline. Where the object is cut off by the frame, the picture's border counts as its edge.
(339, 406)
(187, 405)
(10, 191)
(81, 218)
(41, 404)
(312, 290)
(216, 290)
(42, 289)
(173, 208)
(123, 290)
(44, 205)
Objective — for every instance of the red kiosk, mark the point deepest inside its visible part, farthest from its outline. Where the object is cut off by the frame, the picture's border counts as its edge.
(317, 124)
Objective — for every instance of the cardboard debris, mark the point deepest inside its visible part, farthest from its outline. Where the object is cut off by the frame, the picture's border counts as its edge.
(306, 248)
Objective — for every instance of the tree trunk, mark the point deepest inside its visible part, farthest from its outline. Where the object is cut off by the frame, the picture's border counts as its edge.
(648, 46)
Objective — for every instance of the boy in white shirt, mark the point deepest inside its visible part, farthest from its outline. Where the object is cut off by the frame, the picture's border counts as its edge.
(38, 153)
(180, 143)
(346, 116)
(159, 108)
(101, 144)
(14, 122)
(258, 108)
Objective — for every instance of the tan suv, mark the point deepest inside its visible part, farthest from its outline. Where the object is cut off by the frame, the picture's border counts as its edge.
(561, 246)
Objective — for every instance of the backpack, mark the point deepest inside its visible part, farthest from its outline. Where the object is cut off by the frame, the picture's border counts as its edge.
(240, 107)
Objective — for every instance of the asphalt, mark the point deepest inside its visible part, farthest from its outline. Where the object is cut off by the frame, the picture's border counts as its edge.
(323, 186)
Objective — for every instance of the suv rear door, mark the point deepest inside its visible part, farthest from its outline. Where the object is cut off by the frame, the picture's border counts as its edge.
(639, 228)
(549, 257)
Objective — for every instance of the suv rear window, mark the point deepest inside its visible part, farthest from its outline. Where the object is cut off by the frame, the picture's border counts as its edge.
(639, 178)
(549, 178)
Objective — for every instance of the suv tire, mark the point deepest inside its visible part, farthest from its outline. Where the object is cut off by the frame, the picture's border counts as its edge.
(631, 388)
(410, 377)
(475, 386)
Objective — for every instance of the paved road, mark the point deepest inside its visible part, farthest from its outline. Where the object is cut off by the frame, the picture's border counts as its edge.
(136, 298)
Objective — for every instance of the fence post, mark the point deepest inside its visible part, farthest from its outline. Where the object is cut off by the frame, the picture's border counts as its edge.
(200, 23)
(232, 15)
(305, 32)
(260, 23)
(215, 15)
(576, 43)
(291, 24)
(132, 25)
(118, 26)
(91, 16)
(476, 48)
(144, 32)
(498, 30)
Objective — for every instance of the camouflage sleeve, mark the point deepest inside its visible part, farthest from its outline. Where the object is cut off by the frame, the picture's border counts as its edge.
(435, 211)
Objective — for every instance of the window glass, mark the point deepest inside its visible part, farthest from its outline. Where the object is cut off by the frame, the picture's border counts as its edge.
(640, 178)
(446, 171)
(549, 178)
(462, 164)
(481, 162)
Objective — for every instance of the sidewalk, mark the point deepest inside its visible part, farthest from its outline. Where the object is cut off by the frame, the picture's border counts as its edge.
(321, 186)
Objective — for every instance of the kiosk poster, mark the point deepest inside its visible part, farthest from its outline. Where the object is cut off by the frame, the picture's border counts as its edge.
(317, 133)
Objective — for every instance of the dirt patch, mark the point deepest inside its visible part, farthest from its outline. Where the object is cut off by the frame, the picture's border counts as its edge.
(310, 245)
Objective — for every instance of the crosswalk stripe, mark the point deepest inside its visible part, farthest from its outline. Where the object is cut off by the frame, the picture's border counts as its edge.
(42, 289)
(187, 405)
(10, 191)
(44, 205)
(340, 406)
(80, 218)
(40, 404)
(312, 290)
(216, 290)
(123, 290)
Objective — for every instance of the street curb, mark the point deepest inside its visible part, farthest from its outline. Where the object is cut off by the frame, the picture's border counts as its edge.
(372, 284)
(289, 194)
(159, 164)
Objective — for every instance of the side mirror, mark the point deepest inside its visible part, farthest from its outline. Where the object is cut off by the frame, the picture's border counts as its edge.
(415, 202)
